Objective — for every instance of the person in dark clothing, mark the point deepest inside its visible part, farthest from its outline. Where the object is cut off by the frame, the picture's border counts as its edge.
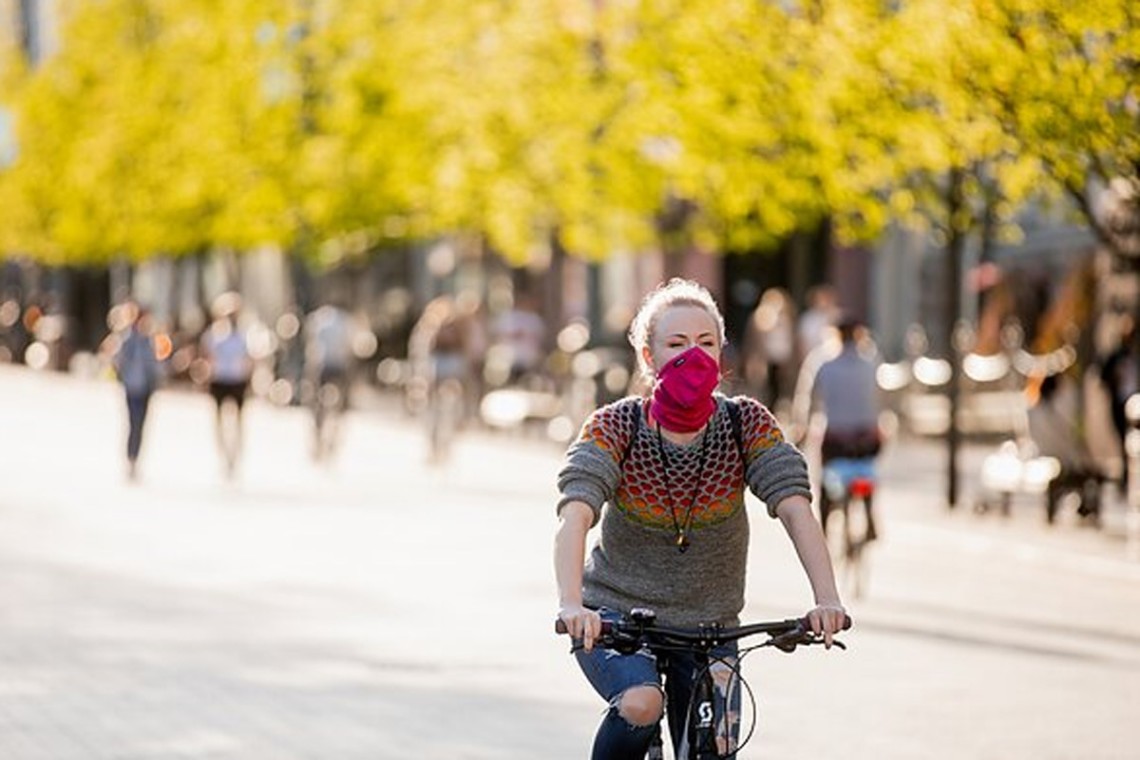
(138, 369)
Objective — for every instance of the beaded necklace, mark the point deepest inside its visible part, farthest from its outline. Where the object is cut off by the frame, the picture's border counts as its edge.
(681, 529)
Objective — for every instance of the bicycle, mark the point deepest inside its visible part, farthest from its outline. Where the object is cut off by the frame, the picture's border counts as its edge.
(707, 727)
(848, 484)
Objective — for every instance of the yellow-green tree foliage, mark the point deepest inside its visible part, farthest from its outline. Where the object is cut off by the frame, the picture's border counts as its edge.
(125, 134)
(330, 125)
(1067, 86)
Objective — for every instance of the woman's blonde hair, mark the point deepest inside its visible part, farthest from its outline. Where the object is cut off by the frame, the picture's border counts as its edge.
(676, 292)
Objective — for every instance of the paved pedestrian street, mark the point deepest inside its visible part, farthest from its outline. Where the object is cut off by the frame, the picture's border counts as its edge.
(381, 608)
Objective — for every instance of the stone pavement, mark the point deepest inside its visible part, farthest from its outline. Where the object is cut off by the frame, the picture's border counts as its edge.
(380, 608)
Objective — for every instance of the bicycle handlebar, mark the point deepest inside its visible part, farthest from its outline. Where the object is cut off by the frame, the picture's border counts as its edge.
(641, 628)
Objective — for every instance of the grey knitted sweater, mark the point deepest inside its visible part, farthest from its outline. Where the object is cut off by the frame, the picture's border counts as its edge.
(615, 466)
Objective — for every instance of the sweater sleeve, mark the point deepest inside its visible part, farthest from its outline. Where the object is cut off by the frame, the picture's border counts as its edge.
(774, 468)
(591, 470)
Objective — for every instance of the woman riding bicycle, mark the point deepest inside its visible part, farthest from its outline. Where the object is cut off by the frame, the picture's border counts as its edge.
(665, 477)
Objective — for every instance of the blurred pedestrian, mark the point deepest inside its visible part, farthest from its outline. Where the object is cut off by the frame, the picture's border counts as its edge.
(768, 352)
(329, 332)
(664, 476)
(230, 368)
(519, 335)
(139, 371)
(817, 319)
(1055, 433)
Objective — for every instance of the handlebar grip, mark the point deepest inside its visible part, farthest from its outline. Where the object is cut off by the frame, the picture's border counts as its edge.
(561, 629)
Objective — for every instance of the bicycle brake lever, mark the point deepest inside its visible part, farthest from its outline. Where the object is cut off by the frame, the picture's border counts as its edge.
(812, 640)
(789, 641)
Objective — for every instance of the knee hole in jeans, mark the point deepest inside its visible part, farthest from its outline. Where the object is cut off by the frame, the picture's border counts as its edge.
(641, 705)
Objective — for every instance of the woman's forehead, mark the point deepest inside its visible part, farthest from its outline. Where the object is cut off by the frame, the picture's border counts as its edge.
(688, 319)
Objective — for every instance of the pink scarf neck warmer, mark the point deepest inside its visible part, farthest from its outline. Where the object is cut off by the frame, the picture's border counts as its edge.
(682, 397)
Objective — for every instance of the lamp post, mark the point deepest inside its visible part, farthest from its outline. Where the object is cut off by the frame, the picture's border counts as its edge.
(955, 250)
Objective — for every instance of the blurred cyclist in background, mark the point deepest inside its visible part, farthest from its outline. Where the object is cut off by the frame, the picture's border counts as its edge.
(442, 348)
(846, 389)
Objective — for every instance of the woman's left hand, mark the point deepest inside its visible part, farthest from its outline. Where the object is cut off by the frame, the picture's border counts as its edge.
(827, 620)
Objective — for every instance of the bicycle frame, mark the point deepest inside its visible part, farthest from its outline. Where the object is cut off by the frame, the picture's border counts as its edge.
(639, 630)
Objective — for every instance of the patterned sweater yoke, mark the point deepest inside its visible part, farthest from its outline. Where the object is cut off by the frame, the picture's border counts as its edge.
(645, 491)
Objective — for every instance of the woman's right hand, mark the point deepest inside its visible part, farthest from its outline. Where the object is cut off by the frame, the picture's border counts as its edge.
(581, 623)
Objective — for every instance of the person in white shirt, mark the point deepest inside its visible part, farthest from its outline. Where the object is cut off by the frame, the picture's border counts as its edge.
(230, 368)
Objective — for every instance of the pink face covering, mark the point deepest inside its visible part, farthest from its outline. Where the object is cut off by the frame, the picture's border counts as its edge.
(682, 398)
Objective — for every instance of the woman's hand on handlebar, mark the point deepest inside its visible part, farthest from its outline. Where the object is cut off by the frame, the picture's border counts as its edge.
(827, 620)
(581, 623)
